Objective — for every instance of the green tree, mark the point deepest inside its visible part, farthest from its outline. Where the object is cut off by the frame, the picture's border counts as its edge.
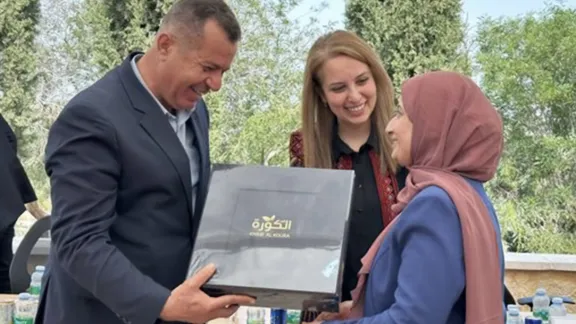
(105, 31)
(18, 68)
(528, 69)
(412, 36)
(258, 107)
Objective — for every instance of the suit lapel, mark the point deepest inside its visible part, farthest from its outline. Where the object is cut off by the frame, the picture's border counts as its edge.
(202, 147)
(160, 131)
(156, 124)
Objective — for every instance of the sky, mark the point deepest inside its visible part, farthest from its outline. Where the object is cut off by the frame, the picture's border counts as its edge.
(473, 9)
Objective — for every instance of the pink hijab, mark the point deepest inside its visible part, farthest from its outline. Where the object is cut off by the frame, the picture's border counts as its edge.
(457, 133)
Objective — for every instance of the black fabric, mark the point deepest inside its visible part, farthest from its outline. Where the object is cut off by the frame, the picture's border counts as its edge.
(401, 175)
(366, 217)
(16, 189)
(6, 238)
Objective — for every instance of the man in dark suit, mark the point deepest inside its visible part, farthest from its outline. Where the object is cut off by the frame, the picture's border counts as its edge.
(16, 195)
(128, 160)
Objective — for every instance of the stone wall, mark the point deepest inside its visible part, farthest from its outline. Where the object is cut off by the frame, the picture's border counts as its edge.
(526, 272)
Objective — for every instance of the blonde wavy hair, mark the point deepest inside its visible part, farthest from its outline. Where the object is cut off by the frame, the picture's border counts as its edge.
(318, 120)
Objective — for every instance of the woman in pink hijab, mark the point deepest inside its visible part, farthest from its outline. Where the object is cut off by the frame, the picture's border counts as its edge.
(441, 260)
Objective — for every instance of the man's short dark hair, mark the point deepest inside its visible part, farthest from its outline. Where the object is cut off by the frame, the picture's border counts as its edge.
(193, 15)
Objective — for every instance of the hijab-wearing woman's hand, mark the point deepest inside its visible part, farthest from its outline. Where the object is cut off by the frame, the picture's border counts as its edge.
(342, 314)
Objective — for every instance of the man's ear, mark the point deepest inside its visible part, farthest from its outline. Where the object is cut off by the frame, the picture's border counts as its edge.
(164, 44)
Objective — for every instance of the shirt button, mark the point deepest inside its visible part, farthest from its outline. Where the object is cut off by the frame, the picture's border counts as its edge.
(360, 186)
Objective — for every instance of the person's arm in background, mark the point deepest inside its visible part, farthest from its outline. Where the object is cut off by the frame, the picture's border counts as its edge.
(19, 173)
(296, 149)
(432, 240)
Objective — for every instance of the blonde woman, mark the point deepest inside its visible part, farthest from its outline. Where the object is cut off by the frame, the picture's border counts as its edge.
(347, 101)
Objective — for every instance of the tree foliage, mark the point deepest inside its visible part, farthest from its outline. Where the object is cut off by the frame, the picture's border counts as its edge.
(18, 68)
(412, 36)
(527, 67)
(257, 109)
(528, 70)
(106, 31)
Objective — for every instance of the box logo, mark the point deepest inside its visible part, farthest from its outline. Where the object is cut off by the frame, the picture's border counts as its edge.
(270, 227)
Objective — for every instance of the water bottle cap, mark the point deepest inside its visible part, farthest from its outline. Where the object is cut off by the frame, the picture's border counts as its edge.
(40, 268)
(557, 300)
(24, 296)
(512, 306)
(540, 291)
(514, 312)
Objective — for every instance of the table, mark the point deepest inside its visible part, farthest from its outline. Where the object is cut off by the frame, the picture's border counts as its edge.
(8, 296)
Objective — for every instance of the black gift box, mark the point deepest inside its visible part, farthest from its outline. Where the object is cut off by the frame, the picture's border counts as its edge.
(278, 234)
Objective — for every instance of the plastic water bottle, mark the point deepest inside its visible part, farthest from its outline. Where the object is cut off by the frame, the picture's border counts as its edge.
(513, 316)
(278, 316)
(256, 315)
(511, 307)
(557, 308)
(36, 281)
(25, 309)
(293, 316)
(541, 304)
(240, 317)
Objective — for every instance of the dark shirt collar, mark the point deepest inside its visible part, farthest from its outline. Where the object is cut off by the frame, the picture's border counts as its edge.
(339, 148)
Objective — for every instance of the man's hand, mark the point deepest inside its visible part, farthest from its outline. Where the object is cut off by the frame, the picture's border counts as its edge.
(187, 303)
(35, 209)
(342, 314)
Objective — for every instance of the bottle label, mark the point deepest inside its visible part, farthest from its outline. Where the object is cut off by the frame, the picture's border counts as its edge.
(542, 314)
(34, 290)
(23, 320)
(25, 311)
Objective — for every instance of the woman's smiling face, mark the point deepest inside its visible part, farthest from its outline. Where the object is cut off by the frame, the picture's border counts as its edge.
(348, 89)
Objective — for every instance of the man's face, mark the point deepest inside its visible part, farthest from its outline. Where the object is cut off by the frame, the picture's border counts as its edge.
(190, 68)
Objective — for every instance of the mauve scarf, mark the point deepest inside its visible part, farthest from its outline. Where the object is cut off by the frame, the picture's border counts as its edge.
(457, 133)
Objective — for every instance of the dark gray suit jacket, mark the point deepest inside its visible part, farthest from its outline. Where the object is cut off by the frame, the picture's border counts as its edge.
(122, 220)
(15, 187)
